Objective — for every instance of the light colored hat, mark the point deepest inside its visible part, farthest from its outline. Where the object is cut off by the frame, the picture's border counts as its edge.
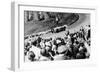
(62, 49)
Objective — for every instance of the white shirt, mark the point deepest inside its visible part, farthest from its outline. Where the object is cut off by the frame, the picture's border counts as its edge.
(36, 51)
(42, 44)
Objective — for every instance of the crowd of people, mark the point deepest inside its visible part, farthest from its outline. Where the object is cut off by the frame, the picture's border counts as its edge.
(72, 46)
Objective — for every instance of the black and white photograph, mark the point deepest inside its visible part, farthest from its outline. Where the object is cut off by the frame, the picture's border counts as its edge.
(51, 36)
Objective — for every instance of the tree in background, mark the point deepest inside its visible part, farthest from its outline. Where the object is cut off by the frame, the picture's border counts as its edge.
(35, 16)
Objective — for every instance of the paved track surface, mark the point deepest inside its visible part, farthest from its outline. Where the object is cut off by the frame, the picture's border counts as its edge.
(34, 27)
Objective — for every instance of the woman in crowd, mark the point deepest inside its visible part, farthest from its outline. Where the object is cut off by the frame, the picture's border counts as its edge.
(73, 46)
